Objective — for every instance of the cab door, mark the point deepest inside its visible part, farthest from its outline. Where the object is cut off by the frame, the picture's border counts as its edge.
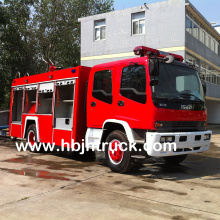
(100, 97)
(132, 96)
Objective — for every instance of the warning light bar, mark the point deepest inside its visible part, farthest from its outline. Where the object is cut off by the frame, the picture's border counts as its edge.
(142, 51)
(147, 51)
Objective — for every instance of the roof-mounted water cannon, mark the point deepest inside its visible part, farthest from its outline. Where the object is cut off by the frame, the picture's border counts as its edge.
(170, 57)
(18, 75)
(51, 64)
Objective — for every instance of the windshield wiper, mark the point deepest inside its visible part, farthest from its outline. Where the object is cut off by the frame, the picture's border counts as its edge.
(173, 99)
(184, 95)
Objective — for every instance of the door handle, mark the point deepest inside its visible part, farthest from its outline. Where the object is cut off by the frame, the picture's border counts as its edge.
(121, 103)
(93, 104)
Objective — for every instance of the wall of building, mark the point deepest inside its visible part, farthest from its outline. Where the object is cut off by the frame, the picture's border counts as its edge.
(213, 108)
(198, 47)
(164, 28)
(213, 90)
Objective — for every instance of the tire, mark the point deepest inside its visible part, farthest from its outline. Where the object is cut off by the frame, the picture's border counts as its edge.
(174, 160)
(31, 136)
(119, 161)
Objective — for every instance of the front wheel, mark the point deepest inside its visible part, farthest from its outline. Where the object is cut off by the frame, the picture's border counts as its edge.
(117, 157)
(174, 160)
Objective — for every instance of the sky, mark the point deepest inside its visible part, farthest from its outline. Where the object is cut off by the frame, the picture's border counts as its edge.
(210, 9)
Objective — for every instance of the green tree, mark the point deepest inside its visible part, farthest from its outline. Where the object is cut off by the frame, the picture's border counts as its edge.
(32, 29)
(58, 30)
(17, 53)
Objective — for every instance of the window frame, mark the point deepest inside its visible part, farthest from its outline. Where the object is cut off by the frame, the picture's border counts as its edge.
(189, 30)
(212, 45)
(202, 34)
(100, 27)
(196, 30)
(216, 47)
(133, 89)
(137, 20)
(110, 95)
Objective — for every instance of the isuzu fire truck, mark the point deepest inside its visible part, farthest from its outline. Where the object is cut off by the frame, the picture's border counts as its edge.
(154, 98)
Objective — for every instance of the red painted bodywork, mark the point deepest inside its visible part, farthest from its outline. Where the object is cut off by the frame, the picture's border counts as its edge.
(137, 115)
(46, 131)
(62, 134)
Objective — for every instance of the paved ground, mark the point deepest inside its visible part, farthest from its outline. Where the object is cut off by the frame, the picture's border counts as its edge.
(46, 186)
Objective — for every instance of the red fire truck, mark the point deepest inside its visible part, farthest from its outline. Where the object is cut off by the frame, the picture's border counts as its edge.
(154, 98)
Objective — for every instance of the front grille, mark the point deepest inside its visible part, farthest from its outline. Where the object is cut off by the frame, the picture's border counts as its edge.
(181, 126)
(186, 124)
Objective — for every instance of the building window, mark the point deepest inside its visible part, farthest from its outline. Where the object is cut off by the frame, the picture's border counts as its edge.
(138, 23)
(196, 31)
(199, 32)
(102, 86)
(207, 72)
(212, 45)
(202, 36)
(207, 41)
(216, 47)
(100, 27)
(188, 25)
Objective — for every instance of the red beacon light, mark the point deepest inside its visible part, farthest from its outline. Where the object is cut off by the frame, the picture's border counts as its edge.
(147, 51)
(143, 51)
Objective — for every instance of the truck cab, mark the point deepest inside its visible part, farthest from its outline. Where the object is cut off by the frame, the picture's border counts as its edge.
(154, 98)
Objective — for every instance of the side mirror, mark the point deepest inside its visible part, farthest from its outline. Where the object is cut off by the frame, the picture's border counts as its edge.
(154, 67)
(154, 82)
(204, 86)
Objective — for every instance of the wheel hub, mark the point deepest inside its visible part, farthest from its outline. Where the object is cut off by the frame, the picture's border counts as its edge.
(115, 153)
(31, 137)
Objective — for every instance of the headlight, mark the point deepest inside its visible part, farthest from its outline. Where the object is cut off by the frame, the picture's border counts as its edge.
(167, 139)
(162, 139)
(207, 137)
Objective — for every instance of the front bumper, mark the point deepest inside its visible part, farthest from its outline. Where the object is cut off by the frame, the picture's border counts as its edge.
(156, 149)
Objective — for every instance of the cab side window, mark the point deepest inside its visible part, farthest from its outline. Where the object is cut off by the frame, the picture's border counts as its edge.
(102, 86)
(133, 83)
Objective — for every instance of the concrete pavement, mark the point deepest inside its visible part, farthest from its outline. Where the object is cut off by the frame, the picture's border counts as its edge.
(54, 186)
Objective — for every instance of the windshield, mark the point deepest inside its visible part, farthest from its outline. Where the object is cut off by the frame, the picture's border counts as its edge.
(177, 82)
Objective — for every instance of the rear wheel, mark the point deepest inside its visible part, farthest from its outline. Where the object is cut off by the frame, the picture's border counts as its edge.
(118, 159)
(31, 137)
(175, 159)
